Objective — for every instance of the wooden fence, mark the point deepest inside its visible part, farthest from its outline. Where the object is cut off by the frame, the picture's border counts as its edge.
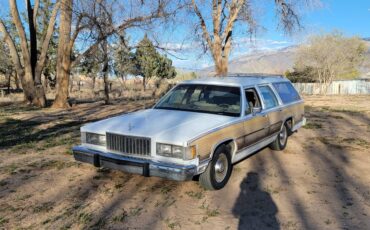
(352, 87)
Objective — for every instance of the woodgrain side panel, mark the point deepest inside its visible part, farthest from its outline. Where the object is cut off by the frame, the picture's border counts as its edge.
(206, 143)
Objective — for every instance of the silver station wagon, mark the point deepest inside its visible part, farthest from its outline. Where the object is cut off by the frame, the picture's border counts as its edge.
(199, 128)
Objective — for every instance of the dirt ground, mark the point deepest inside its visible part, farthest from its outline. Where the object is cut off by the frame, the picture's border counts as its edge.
(321, 181)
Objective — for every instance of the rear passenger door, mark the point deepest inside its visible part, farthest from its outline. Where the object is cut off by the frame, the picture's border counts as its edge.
(271, 109)
(256, 123)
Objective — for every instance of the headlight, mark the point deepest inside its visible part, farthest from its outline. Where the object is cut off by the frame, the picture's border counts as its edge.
(176, 151)
(95, 139)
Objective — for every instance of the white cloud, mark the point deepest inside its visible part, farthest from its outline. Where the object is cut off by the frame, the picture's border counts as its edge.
(180, 46)
(257, 42)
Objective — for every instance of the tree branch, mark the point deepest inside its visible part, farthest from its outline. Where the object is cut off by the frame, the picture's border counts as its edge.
(288, 17)
(21, 33)
(202, 24)
(129, 23)
(223, 17)
(216, 15)
(46, 40)
(35, 11)
(235, 7)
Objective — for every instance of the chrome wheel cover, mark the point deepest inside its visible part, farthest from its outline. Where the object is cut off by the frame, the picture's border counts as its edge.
(283, 135)
(221, 168)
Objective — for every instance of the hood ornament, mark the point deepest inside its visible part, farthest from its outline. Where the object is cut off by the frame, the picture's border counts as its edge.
(130, 126)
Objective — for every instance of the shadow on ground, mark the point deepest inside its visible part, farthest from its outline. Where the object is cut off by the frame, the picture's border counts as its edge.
(254, 207)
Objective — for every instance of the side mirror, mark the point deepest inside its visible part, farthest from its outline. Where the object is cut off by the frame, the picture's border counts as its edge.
(256, 110)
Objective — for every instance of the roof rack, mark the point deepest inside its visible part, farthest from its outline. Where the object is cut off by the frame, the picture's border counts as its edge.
(262, 75)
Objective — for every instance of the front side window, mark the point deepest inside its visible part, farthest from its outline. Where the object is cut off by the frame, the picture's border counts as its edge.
(221, 100)
(286, 92)
(268, 96)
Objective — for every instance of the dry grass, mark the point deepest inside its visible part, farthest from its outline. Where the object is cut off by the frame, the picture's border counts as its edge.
(321, 181)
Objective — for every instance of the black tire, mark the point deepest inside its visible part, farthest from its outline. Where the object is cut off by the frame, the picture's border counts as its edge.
(289, 124)
(209, 179)
(282, 139)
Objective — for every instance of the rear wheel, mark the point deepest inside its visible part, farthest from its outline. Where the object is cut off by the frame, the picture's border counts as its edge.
(282, 139)
(218, 171)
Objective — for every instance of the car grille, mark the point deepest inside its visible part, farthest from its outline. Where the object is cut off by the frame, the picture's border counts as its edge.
(128, 144)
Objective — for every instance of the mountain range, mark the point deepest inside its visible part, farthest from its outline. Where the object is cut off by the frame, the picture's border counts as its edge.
(270, 62)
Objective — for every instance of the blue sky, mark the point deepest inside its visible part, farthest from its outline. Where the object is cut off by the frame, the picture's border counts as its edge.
(352, 18)
(349, 17)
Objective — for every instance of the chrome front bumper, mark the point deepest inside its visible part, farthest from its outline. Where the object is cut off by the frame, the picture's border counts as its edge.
(133, 165)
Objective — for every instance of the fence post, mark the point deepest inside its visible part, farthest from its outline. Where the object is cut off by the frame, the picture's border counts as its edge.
(339, 89)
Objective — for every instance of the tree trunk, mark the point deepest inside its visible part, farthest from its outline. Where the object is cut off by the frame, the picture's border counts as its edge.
(40, 97)
(46, 81)
(28, 86)
(105, 72)
(106, 88)
(61, 98)
(64, 55)
(93, 82)
(71, 84)
(79, 85)
(9, 78)
(16, 80)
(221, 67)
(33, 39)
(144, 83)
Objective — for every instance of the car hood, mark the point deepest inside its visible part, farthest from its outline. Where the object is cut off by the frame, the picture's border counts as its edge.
(169, 126)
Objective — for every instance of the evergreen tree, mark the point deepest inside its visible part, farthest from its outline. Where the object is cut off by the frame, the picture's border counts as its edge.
(123, 59)
(149, 63)
(165, 68)
(146, 60)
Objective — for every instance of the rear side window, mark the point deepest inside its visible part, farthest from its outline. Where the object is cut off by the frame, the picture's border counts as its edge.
(269, 99)
(286, 92)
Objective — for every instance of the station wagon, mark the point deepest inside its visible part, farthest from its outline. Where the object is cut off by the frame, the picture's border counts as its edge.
(199, 129)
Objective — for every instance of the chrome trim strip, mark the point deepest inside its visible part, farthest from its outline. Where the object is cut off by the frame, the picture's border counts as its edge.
(255, 147)
(235, 86)
(242, 119)
(203, 165)
(128, 145)
(236, 121)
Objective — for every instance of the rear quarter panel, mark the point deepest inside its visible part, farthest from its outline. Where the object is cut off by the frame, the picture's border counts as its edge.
(295, 110)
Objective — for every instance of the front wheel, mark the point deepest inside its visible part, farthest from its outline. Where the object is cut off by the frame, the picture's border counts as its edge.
(218, 171)
(282, 139)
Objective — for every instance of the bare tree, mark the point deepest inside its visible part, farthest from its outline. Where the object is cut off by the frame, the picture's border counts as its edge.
(134, 14)
(28, 63)
(217, 29)
(330, 56)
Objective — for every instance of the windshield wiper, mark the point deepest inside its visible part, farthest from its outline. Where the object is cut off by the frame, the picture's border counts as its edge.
(200, 111)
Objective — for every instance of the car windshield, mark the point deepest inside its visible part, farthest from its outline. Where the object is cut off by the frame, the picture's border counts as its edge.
(203, 98)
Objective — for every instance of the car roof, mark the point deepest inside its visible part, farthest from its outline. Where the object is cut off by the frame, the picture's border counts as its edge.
(240, 80)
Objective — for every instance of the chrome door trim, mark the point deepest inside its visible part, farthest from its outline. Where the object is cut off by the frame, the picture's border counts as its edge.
(252, 149)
